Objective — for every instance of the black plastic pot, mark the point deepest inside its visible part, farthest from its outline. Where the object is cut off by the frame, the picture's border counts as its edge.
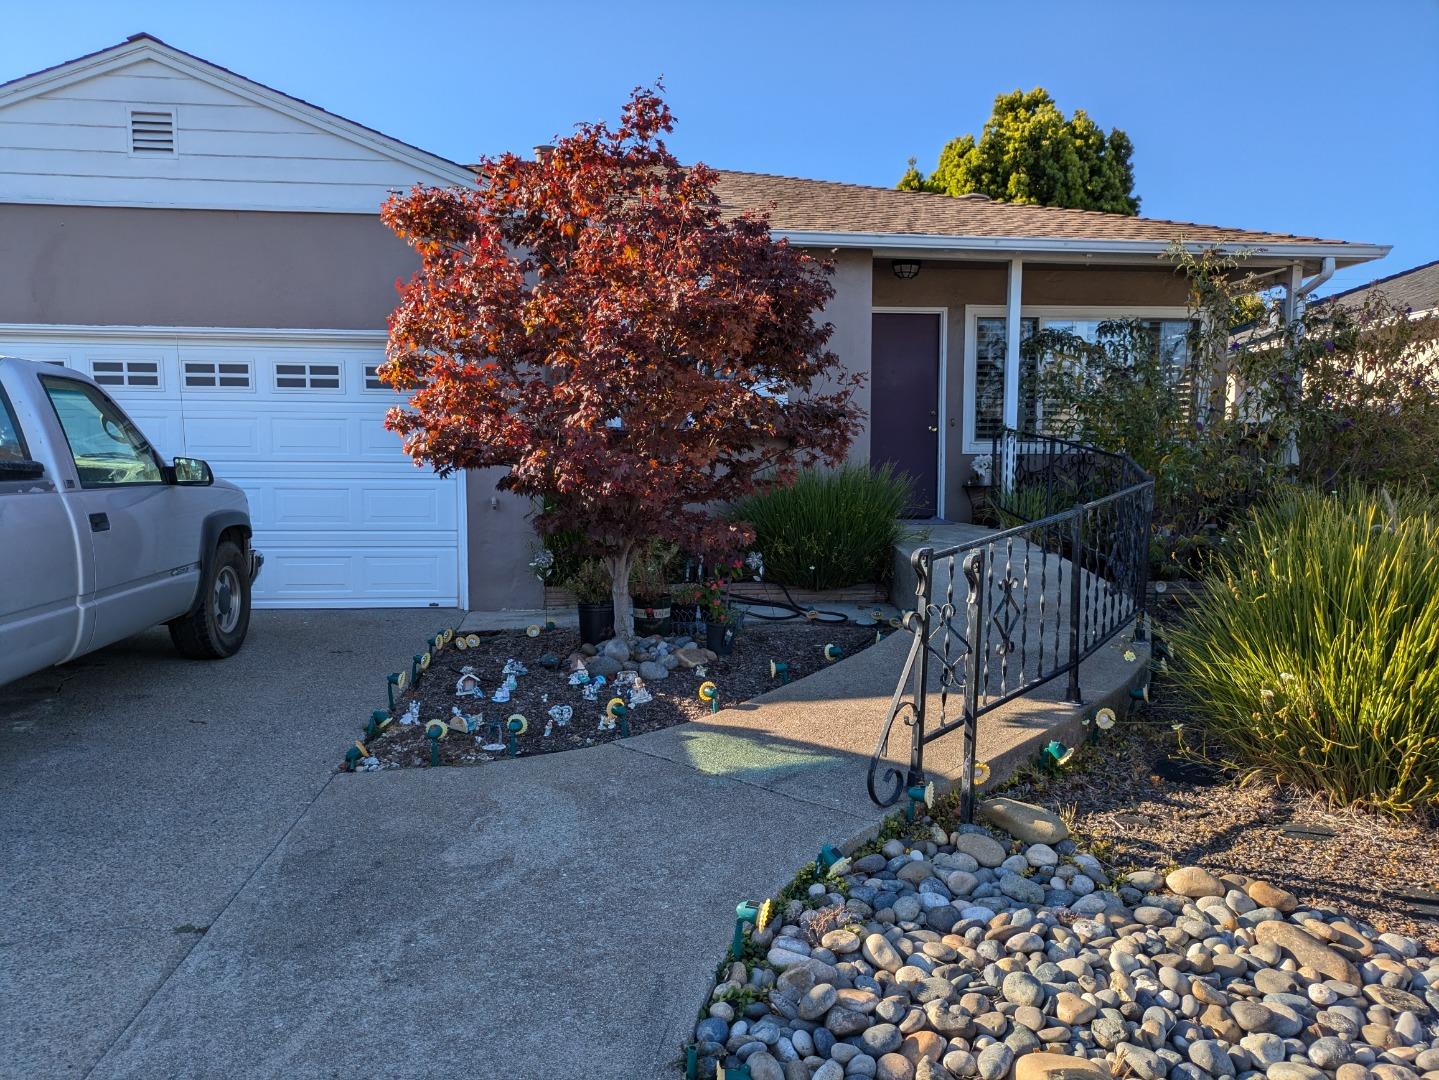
(652, 616)
(597, 622)
(719, 638)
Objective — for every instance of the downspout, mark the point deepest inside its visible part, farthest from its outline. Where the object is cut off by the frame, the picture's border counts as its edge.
(1295, 291)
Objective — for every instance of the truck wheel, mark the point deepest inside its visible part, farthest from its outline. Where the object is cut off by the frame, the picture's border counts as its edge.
(216, 628)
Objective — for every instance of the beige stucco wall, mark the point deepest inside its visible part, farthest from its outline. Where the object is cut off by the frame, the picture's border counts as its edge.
(953, 286)
(124, 266)
(849, 311)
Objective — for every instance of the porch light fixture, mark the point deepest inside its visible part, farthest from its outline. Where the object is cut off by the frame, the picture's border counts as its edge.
(904, 269)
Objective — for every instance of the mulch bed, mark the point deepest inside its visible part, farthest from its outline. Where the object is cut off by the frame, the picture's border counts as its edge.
(739, 677)
(1138, 800)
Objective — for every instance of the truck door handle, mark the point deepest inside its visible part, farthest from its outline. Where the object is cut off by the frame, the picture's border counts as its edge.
(99, 522)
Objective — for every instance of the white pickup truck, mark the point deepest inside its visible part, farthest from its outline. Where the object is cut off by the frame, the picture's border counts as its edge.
(99, 538)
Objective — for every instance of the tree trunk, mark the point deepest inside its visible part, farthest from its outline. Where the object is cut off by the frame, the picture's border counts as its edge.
(619, 568)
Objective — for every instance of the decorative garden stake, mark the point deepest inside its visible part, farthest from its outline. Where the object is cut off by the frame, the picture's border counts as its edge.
(692, 1062)
(1140, 692)
(832, 652)
(436, 730)
(461, 722)
(460, 644)
(516, 725)
(533, 630)
(419, 666)
(472, 640)
(395, 684)
(561, 714)
(354, 755)
(618, 710)
(379, 720)
(981, 773)
(709, 693)
(779, 669)
(827, 857)
(1056, 754)
(1104, 719)
(734, 1072)
(746, 911)
(878, 636)
(919, 793)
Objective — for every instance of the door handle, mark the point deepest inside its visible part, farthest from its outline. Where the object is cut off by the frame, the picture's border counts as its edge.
(99, 522)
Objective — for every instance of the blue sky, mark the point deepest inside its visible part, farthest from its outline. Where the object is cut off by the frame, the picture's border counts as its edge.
(1319, 118)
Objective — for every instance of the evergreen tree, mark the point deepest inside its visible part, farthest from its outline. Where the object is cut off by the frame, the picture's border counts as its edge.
(1030, 153)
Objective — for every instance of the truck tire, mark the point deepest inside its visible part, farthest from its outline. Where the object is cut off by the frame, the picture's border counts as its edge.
(216, 628)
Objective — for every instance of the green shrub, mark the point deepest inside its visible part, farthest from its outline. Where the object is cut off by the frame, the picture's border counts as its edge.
(1314, 654)
(829, 529)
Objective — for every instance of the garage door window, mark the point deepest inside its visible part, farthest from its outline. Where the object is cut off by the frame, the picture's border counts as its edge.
(138, 374)
(224, 375)
(307, 376)
(107, 449)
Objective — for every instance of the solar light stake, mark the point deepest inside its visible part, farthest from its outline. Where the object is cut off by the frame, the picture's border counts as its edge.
(378, 720)
(832, 652)
(692, 1063)
(1056, 754)
(435, 730)
(394, 684)
(1140, 692)
(710, 692)
(516, 725)
(779, 669)
(827, 857)
(745, 911)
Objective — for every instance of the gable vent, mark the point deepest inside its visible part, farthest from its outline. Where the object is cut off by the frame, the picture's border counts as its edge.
(152, 132)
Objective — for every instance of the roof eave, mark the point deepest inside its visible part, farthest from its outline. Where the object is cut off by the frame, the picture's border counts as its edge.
(1345, 254)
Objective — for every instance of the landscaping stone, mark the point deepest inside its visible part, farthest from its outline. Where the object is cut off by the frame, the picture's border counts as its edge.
(1025, 822)
(954, 957)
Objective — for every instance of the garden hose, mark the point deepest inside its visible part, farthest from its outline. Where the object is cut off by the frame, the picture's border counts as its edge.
(790, 608)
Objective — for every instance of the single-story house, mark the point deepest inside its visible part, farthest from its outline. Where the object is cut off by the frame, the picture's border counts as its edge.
(208, 248)
(1416, 289)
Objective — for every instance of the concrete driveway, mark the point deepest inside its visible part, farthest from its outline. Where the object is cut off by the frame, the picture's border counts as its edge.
(139, 792)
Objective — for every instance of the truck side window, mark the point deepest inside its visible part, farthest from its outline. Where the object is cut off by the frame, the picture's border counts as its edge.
(12, 447)
(107, 448)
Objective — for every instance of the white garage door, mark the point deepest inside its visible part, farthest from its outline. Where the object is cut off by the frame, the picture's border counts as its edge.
(343, 518)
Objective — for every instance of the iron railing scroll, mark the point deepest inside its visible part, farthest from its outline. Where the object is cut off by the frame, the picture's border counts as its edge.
(997, 617)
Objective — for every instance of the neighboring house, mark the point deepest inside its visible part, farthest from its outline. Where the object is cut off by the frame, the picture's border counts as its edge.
(208, 248)
(1416, 289)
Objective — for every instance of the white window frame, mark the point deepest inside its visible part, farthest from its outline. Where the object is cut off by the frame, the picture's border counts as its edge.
(974, 312)
(942, 412)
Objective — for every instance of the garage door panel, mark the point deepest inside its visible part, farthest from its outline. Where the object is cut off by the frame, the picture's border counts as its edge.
(342, 515)
(302, 574)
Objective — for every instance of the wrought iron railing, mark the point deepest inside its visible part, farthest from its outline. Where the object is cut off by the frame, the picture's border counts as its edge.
(997, 617)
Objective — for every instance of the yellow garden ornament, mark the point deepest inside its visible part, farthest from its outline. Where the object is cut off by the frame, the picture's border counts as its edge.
(472, 640)
(437, 729)
(1104, 719)
(981, 774)
(518, 724)
(461, 644)
(615, 707)
(709, 694)
(764, 915)
(832, 652)
(533, 630)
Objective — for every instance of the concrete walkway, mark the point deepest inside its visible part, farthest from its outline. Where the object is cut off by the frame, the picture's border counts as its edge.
(551, 917)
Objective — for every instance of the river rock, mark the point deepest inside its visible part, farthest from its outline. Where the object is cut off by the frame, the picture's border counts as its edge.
(984, 849)
(1307, 951)
(1194, 882)
(1024, 821)
(1045, 1066)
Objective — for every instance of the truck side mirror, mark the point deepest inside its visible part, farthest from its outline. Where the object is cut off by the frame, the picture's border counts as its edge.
(191, 471)
(20, 469)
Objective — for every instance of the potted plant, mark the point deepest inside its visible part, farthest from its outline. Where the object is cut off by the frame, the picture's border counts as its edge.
(685, 611)
(590, 582)
(650, 587)
(721, 618)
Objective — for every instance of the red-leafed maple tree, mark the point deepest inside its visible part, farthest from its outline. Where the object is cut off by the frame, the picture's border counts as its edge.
(593, 321)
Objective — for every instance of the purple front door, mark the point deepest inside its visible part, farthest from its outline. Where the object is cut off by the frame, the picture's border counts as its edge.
(904, 401)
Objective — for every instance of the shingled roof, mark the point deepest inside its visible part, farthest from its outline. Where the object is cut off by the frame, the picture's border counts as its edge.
(1416, 288)
(824, 206)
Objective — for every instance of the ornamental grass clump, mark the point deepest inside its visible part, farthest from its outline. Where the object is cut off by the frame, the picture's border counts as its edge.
(829, 529)
(1314, 654)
